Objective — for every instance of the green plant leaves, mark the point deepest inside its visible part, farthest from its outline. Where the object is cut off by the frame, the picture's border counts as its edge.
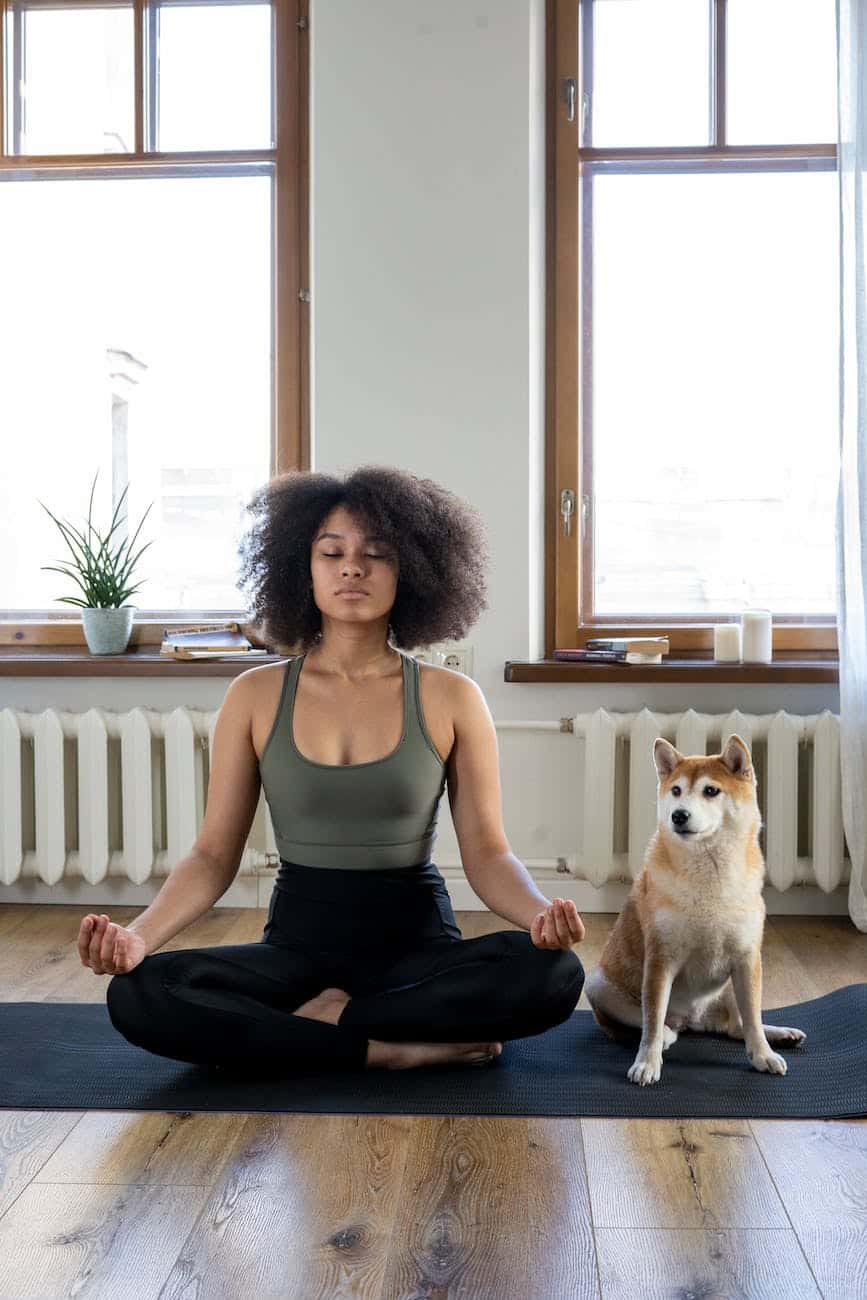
(100, 573)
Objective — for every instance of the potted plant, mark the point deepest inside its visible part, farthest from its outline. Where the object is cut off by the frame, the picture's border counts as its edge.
(102, 574)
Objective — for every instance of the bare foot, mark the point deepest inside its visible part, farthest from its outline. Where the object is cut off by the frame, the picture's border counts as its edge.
(403, 1056)
(326, 1006)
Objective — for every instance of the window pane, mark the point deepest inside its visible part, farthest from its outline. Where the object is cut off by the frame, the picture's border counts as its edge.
(715, 392)
(135, 339)
(214, 87)
(77, 94)
(782, 72)
(651, 73)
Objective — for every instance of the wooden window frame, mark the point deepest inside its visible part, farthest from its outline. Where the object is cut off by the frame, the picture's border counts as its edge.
(568, 562)
(289, 158)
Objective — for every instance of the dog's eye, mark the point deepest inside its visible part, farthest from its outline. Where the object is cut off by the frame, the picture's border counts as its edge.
(711, 790)
(675, 790)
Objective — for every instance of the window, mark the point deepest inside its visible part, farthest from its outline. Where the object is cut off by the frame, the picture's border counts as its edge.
(152, 329)
(692, 299)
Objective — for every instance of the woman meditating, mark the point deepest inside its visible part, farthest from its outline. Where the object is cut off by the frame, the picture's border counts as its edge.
(361, 962)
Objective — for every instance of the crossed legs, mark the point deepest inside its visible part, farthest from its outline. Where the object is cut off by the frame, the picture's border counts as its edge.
(240, 1004)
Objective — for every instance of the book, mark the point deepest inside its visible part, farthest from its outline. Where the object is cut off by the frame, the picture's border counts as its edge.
(607, 656)
(207, 641)
(636, 644)
(252, 653)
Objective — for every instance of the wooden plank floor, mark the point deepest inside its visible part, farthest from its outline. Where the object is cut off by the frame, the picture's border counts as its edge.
(301, 1207)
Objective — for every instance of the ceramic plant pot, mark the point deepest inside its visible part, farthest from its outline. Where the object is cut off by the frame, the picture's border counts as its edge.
(107, 631)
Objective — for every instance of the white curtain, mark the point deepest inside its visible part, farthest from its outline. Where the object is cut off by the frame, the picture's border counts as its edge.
(852, 497)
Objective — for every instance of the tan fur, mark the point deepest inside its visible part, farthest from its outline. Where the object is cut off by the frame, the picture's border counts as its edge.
(685, 951)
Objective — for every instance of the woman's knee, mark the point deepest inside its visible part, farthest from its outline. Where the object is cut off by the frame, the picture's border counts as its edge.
(552, 976)
(542, 974)
(565, 973)
(129, 999)
(118, 1001)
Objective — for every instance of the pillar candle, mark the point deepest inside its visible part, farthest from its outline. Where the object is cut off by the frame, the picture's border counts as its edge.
(727, 642)
(757, 638)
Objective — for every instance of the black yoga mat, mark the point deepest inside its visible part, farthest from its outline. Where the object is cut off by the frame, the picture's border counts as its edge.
(68, 1056)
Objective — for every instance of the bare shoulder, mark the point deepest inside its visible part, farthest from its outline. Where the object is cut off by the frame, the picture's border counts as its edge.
(455, 699)
(258, 684)
(261, 672)
(443, 694)
(448, 685)
(258, 690)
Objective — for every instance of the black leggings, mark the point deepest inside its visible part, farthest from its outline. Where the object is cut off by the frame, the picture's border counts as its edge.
(388, 938)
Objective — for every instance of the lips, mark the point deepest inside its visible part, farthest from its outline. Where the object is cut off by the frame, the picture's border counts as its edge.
(352, 593)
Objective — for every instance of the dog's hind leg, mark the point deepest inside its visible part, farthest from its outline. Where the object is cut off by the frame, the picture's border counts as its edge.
(719, 1015)
(617, 1014)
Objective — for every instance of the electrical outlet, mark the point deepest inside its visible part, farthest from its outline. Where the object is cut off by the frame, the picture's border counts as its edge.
(458, 658)
(424, 655)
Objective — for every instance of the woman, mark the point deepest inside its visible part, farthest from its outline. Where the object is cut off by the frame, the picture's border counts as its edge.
(361, 962)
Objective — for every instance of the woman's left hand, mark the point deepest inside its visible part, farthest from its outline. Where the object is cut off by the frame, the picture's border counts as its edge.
(558, 926)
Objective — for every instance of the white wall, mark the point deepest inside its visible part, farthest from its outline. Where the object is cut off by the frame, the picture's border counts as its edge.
(427, 268)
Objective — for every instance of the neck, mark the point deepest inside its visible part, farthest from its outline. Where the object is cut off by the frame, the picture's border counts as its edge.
(352, 657)
(725, 851)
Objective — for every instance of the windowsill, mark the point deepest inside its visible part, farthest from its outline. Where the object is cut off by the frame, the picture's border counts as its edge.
(146, 661)
(137, 661)
(787, 666)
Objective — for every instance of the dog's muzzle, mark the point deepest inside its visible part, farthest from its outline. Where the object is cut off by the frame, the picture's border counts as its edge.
(679, 820)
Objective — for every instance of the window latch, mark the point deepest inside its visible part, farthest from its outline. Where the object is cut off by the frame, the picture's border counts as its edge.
(569, 97)
(567, 509)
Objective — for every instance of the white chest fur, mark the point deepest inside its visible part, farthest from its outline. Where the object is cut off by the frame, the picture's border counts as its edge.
(712, 922)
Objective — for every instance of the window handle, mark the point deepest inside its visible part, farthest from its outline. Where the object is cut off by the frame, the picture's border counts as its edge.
(569, 97)
(567, 509)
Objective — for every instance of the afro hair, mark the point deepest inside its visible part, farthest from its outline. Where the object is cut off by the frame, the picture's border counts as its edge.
(439, 539)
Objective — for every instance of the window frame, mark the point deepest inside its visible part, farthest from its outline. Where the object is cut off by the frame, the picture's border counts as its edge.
(289, 159)
(568, 555)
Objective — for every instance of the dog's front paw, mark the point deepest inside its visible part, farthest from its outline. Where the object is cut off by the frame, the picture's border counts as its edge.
(781, 1034)
(768, 1061)
(645, 1069)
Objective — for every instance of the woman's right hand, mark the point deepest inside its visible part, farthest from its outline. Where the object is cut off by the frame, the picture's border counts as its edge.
(108, 948)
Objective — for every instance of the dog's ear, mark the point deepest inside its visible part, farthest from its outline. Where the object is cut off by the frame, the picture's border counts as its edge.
(736, 757)
(666, 757)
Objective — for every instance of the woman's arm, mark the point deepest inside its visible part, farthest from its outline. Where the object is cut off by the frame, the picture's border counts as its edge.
(495, 874)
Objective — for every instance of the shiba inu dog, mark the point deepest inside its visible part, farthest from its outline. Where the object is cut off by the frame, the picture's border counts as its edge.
(685, 951)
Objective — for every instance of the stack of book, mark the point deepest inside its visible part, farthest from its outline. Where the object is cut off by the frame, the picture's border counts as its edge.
(618, 650)
(211, 641)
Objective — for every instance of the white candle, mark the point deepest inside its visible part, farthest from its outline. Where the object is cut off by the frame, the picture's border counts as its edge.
(727, 642)
(757, 639)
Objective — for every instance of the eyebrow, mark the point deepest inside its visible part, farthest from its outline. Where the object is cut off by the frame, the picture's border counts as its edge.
(340, 536)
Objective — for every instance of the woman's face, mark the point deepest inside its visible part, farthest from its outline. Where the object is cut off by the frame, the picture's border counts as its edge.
(343, 557)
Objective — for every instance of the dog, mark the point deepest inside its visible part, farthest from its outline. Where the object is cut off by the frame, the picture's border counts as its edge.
(685, 951)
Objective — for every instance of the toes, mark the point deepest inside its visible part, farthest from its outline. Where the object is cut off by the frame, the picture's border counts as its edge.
(770, 1062)
(644, 1072)
(783, 1034)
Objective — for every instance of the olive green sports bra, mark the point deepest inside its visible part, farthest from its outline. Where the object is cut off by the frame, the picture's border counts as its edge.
(364, 816)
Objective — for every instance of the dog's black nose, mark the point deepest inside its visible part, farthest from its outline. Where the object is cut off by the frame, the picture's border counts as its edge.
(680, 817)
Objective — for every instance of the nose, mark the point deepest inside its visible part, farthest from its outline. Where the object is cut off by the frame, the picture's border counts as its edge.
(680, 817)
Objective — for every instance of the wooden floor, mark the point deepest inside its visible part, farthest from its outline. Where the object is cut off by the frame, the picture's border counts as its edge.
(142, 1204)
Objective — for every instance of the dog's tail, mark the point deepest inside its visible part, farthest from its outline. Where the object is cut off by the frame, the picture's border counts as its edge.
(616, 1029)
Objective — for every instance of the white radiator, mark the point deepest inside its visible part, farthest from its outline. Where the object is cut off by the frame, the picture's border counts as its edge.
(154, 796)
(797, 764)
(100, 794)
